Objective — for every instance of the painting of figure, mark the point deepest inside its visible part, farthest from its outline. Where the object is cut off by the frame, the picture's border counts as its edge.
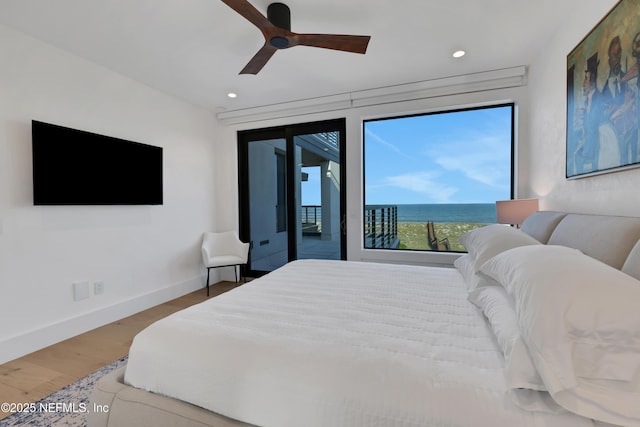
(603, 95)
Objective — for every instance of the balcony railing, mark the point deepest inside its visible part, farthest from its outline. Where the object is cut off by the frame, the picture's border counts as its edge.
(311, 219)
(381, 227)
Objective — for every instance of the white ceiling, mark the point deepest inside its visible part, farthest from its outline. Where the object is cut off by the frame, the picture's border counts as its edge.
(194, 49)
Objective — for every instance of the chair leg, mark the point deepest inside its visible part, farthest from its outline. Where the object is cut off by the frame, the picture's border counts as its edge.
(208, 269)
(235, 271)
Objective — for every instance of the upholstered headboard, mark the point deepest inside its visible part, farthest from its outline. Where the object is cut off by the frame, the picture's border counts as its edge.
(540, 225)
(610, 239)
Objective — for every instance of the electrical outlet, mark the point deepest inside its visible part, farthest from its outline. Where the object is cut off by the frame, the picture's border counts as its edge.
(80, 291)
(98, 288)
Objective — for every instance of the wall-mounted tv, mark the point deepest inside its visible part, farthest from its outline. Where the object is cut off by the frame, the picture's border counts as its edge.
(74, 167)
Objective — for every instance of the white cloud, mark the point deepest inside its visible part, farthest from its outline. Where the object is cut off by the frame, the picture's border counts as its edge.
(384, 142)
(484, 161)
(423, 183)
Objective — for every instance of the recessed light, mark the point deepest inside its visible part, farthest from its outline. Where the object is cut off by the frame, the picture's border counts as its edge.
(232, 95)
(459, 53)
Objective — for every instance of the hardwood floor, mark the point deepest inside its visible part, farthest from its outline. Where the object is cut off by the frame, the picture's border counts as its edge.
(39, 374)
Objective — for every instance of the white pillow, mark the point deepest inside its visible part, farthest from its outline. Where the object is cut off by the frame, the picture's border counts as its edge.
(485, 242)
(524, 385)
(464, 265)
(499, 311)
(580, 320)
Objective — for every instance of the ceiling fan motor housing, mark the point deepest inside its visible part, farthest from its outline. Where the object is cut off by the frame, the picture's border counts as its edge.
(279, 15)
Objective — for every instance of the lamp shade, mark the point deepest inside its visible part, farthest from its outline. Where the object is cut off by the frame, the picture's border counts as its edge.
(515, 211)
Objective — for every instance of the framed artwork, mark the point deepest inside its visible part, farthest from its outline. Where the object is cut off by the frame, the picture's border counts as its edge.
(603, 95)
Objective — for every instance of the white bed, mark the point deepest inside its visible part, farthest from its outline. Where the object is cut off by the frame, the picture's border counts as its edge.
(336, 343)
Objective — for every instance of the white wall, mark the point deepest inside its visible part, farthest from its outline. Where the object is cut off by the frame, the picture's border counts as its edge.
(144, 254)
(612, 193)
(227, 160)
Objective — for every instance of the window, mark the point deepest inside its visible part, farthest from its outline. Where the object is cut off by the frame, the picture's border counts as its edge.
(429, 178)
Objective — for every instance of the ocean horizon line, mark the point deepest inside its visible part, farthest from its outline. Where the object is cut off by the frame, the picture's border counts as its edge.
(431, 204)
(471, 213)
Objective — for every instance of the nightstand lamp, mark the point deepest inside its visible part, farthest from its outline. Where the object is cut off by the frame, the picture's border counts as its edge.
(515, 211)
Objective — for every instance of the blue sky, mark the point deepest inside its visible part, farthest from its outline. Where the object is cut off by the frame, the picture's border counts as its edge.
(455, 157)
(311, 188)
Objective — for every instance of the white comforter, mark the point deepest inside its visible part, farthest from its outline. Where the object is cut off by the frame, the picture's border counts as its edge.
(335, 343)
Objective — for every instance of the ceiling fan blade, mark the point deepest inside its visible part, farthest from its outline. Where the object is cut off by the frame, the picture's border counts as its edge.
(355, 44)
(249, 12)
(259, 60)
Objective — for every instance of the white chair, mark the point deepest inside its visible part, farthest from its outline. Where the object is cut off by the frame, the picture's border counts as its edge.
(223, 250)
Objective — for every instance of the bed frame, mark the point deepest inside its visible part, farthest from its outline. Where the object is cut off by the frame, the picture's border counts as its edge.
(610, 239)
(124, 405)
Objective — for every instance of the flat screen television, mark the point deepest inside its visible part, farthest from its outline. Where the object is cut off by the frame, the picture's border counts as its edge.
(75, 167)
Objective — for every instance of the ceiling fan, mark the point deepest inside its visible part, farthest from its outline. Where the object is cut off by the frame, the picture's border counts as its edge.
(276, 28)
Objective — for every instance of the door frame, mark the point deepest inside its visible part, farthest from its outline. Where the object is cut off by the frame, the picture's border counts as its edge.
(288, 132)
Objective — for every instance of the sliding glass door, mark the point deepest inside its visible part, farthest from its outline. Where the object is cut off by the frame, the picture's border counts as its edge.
(291, 195)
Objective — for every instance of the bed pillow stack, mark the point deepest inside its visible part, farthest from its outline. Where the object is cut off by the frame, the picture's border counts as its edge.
(576, 332)
(524, 384)
(526, 388)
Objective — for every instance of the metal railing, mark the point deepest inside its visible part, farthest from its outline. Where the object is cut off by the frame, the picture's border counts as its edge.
(381, 226)
(311, 219)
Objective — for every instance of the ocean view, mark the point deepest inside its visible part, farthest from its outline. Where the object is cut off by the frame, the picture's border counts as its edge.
(435, 227)
(475, 213)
